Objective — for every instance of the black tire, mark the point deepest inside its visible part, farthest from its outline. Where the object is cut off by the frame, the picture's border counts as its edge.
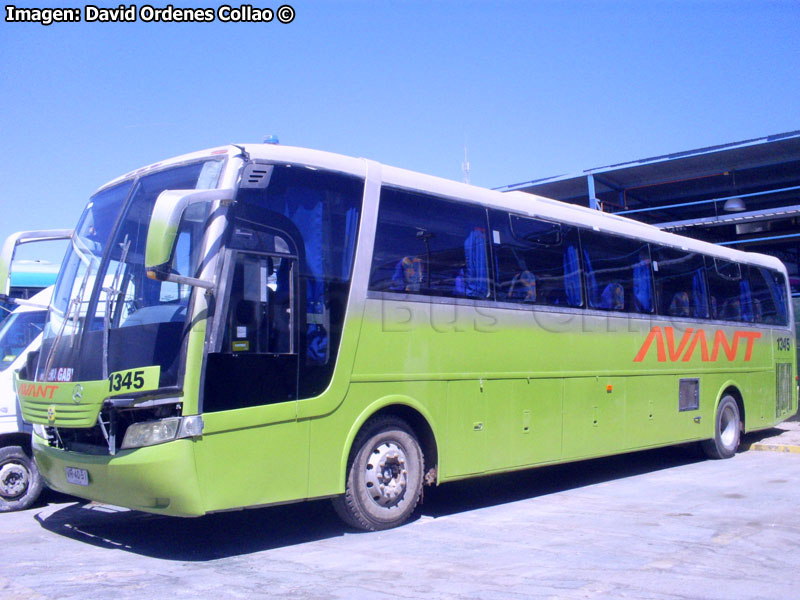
(384, 476)
(20, 482)
(727, 431)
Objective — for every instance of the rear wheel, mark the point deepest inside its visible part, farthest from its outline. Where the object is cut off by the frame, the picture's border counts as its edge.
(20, 482)
(727, 430)
(384, 476)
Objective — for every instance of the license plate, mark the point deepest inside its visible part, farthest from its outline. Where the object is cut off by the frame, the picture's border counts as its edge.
(77, 476)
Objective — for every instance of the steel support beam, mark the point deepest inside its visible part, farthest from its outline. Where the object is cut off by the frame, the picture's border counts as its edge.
(711, 201)
(593, 202)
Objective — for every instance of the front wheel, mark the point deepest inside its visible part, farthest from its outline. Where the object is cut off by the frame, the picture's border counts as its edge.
(384, 476)
(20, 482)
(727, 430)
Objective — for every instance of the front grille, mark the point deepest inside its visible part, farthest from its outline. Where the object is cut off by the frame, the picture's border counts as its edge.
(85, 441)
(115, 422)
(66, 415)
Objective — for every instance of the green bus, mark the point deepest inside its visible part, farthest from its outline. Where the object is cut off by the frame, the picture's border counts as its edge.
(260, 324)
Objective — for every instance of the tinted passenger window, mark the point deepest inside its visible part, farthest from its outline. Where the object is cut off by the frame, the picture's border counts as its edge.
(536, 261)
(767, 296)
(680, 283)
(729, 299)
(425, 245)
(778, 286)
(617, 273)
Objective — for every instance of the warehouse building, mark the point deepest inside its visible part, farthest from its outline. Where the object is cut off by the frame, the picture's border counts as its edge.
(743, 194)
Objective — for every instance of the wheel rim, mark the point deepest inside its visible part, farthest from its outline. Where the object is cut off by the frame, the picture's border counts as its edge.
(386, 475)
(728, 424)
(14, 479)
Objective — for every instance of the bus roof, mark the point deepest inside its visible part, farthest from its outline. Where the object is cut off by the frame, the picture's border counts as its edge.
(515, 201)
(33, 273)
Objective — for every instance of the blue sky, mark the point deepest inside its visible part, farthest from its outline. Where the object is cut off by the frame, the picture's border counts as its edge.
(533, 88)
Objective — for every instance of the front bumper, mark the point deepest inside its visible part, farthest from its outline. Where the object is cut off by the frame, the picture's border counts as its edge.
(159, 479)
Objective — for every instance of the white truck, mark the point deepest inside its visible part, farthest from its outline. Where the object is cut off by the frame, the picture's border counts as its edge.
(20, 334)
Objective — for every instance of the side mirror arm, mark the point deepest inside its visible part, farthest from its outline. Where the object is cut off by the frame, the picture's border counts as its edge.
(163, 231)
(23, 237)
(160, 275)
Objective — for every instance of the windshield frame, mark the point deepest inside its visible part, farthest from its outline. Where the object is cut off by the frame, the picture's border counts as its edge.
(96, 275)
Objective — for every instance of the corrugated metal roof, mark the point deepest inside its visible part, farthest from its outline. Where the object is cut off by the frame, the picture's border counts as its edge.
(692, 184)
(754, 152)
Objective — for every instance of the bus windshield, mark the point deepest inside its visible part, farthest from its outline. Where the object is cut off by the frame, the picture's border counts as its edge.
(106, 314)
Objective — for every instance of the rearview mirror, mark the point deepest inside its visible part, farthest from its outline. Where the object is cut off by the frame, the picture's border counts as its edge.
(162, 233)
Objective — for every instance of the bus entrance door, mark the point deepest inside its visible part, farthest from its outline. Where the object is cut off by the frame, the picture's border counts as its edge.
(257, 361)
(262, 458)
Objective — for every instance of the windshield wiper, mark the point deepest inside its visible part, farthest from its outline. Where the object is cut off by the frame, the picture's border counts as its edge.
(112, 297)
(72, 314)
(85, 255)
(83, 251)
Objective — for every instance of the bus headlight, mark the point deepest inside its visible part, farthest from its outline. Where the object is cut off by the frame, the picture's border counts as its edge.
(150, 433)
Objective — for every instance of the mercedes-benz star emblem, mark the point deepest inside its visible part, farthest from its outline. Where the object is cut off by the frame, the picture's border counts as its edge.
(77, 393)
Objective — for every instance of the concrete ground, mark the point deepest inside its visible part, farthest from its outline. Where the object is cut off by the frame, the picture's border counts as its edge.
(662, 524)
(784, 437)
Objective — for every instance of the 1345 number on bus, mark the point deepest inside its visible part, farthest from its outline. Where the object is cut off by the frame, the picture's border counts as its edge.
(131, 379)
(134, 380)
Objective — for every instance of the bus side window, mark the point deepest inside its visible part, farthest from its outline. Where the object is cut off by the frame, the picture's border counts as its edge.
(531, 260)
(777, 284)
(768, 291)
(680, 283)
(618, 273)
(729, 292)
(427, 245)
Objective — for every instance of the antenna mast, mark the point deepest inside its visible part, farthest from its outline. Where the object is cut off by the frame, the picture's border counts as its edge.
(465, 165)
